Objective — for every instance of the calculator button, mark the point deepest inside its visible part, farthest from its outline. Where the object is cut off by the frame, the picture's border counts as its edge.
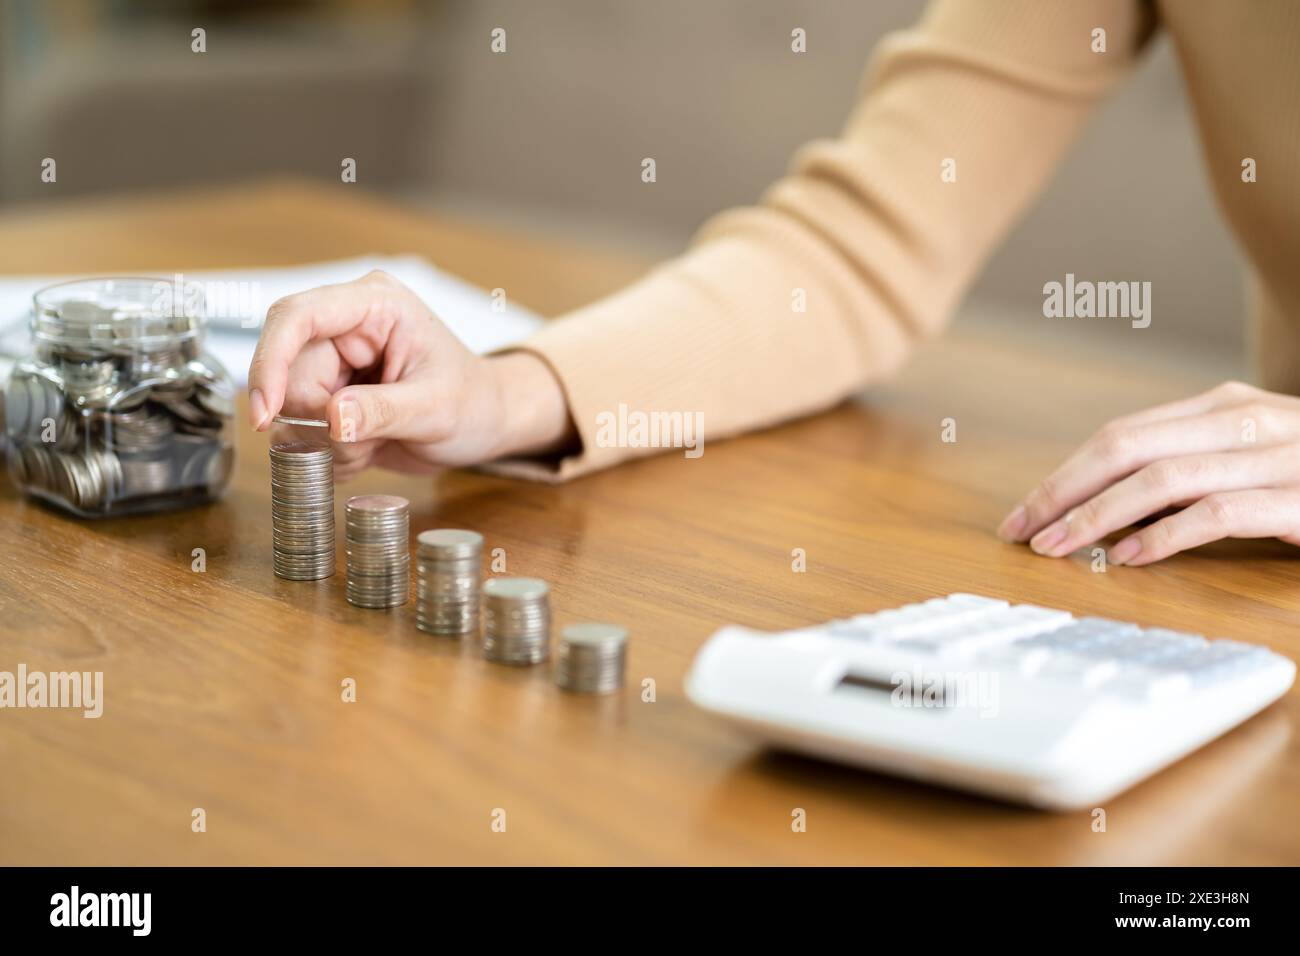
(1220, 661)
(1085, 672)
(1149, 686)
(1016, 658)
(1000, 628)
(913, 620)
(1091, 637)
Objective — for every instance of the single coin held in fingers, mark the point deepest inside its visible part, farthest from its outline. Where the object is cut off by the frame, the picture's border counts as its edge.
(306, 422)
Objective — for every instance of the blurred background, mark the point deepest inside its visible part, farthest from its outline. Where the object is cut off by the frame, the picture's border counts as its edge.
(549, 137)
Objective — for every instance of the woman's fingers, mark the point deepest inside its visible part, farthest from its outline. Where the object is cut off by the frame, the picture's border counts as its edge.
(1231, 455)
(350, 459)
(397, 410)
(1161, 485)
(394, 384)
(1119, 450)
(328, 312)
(1223, 395)
(314, 376)
(1258, 513)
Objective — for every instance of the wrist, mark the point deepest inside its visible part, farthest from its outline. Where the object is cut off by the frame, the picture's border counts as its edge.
(534, 412)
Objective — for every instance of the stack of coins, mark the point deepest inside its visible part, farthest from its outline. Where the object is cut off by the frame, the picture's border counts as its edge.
(83, 481)
(379, 556)
(449, 572)
(592, 658)
(516, 620)
(302, 510)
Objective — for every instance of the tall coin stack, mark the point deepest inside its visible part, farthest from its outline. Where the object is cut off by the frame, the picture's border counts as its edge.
(379, 556)
(449, 573)
(516, 620)
(592, 658)
(302, 510)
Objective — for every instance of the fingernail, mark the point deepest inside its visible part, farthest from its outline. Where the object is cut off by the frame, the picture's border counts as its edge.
(1126, 550)
(1050, 537)
(1013, 524)
(349, 417)
(257, 408)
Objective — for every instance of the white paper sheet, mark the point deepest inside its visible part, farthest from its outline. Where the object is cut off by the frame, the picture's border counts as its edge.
(235, 318)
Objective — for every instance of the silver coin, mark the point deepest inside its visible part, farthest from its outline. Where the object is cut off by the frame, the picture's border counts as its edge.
(516, 620)
(448, 581)
(302, 510)
(504, 590)
(304, 422)
(146, 429)
(215, 402)
(444, 543)
(146, 476)
(185, 409)
(591, 658)
(377, 535)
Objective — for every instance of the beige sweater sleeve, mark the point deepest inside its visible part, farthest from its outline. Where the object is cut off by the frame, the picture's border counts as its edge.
(864, 228)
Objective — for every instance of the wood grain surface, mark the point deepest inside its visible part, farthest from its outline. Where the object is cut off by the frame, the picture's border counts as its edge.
(223, 689)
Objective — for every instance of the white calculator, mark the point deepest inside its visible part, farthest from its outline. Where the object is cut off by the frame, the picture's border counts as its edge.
(1019, 702)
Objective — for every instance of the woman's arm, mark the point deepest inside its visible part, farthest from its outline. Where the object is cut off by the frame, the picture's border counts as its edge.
(865, 229)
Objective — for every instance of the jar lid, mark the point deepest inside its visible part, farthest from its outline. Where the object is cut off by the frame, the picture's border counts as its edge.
(113, 313)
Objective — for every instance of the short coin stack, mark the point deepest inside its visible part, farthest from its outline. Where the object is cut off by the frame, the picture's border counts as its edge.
(516, 620)
(379, 556)
(449, 573)
(592, 658)
(302, 510)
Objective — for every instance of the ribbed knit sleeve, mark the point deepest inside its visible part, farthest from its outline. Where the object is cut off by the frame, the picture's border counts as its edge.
(868, 243)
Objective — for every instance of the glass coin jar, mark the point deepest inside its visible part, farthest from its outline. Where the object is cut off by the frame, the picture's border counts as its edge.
(117, 409)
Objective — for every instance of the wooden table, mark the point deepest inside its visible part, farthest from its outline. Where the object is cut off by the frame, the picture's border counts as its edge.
(223, 688)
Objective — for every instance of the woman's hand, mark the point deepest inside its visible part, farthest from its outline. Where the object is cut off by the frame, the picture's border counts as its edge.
(1229, 459)
(398, 389)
